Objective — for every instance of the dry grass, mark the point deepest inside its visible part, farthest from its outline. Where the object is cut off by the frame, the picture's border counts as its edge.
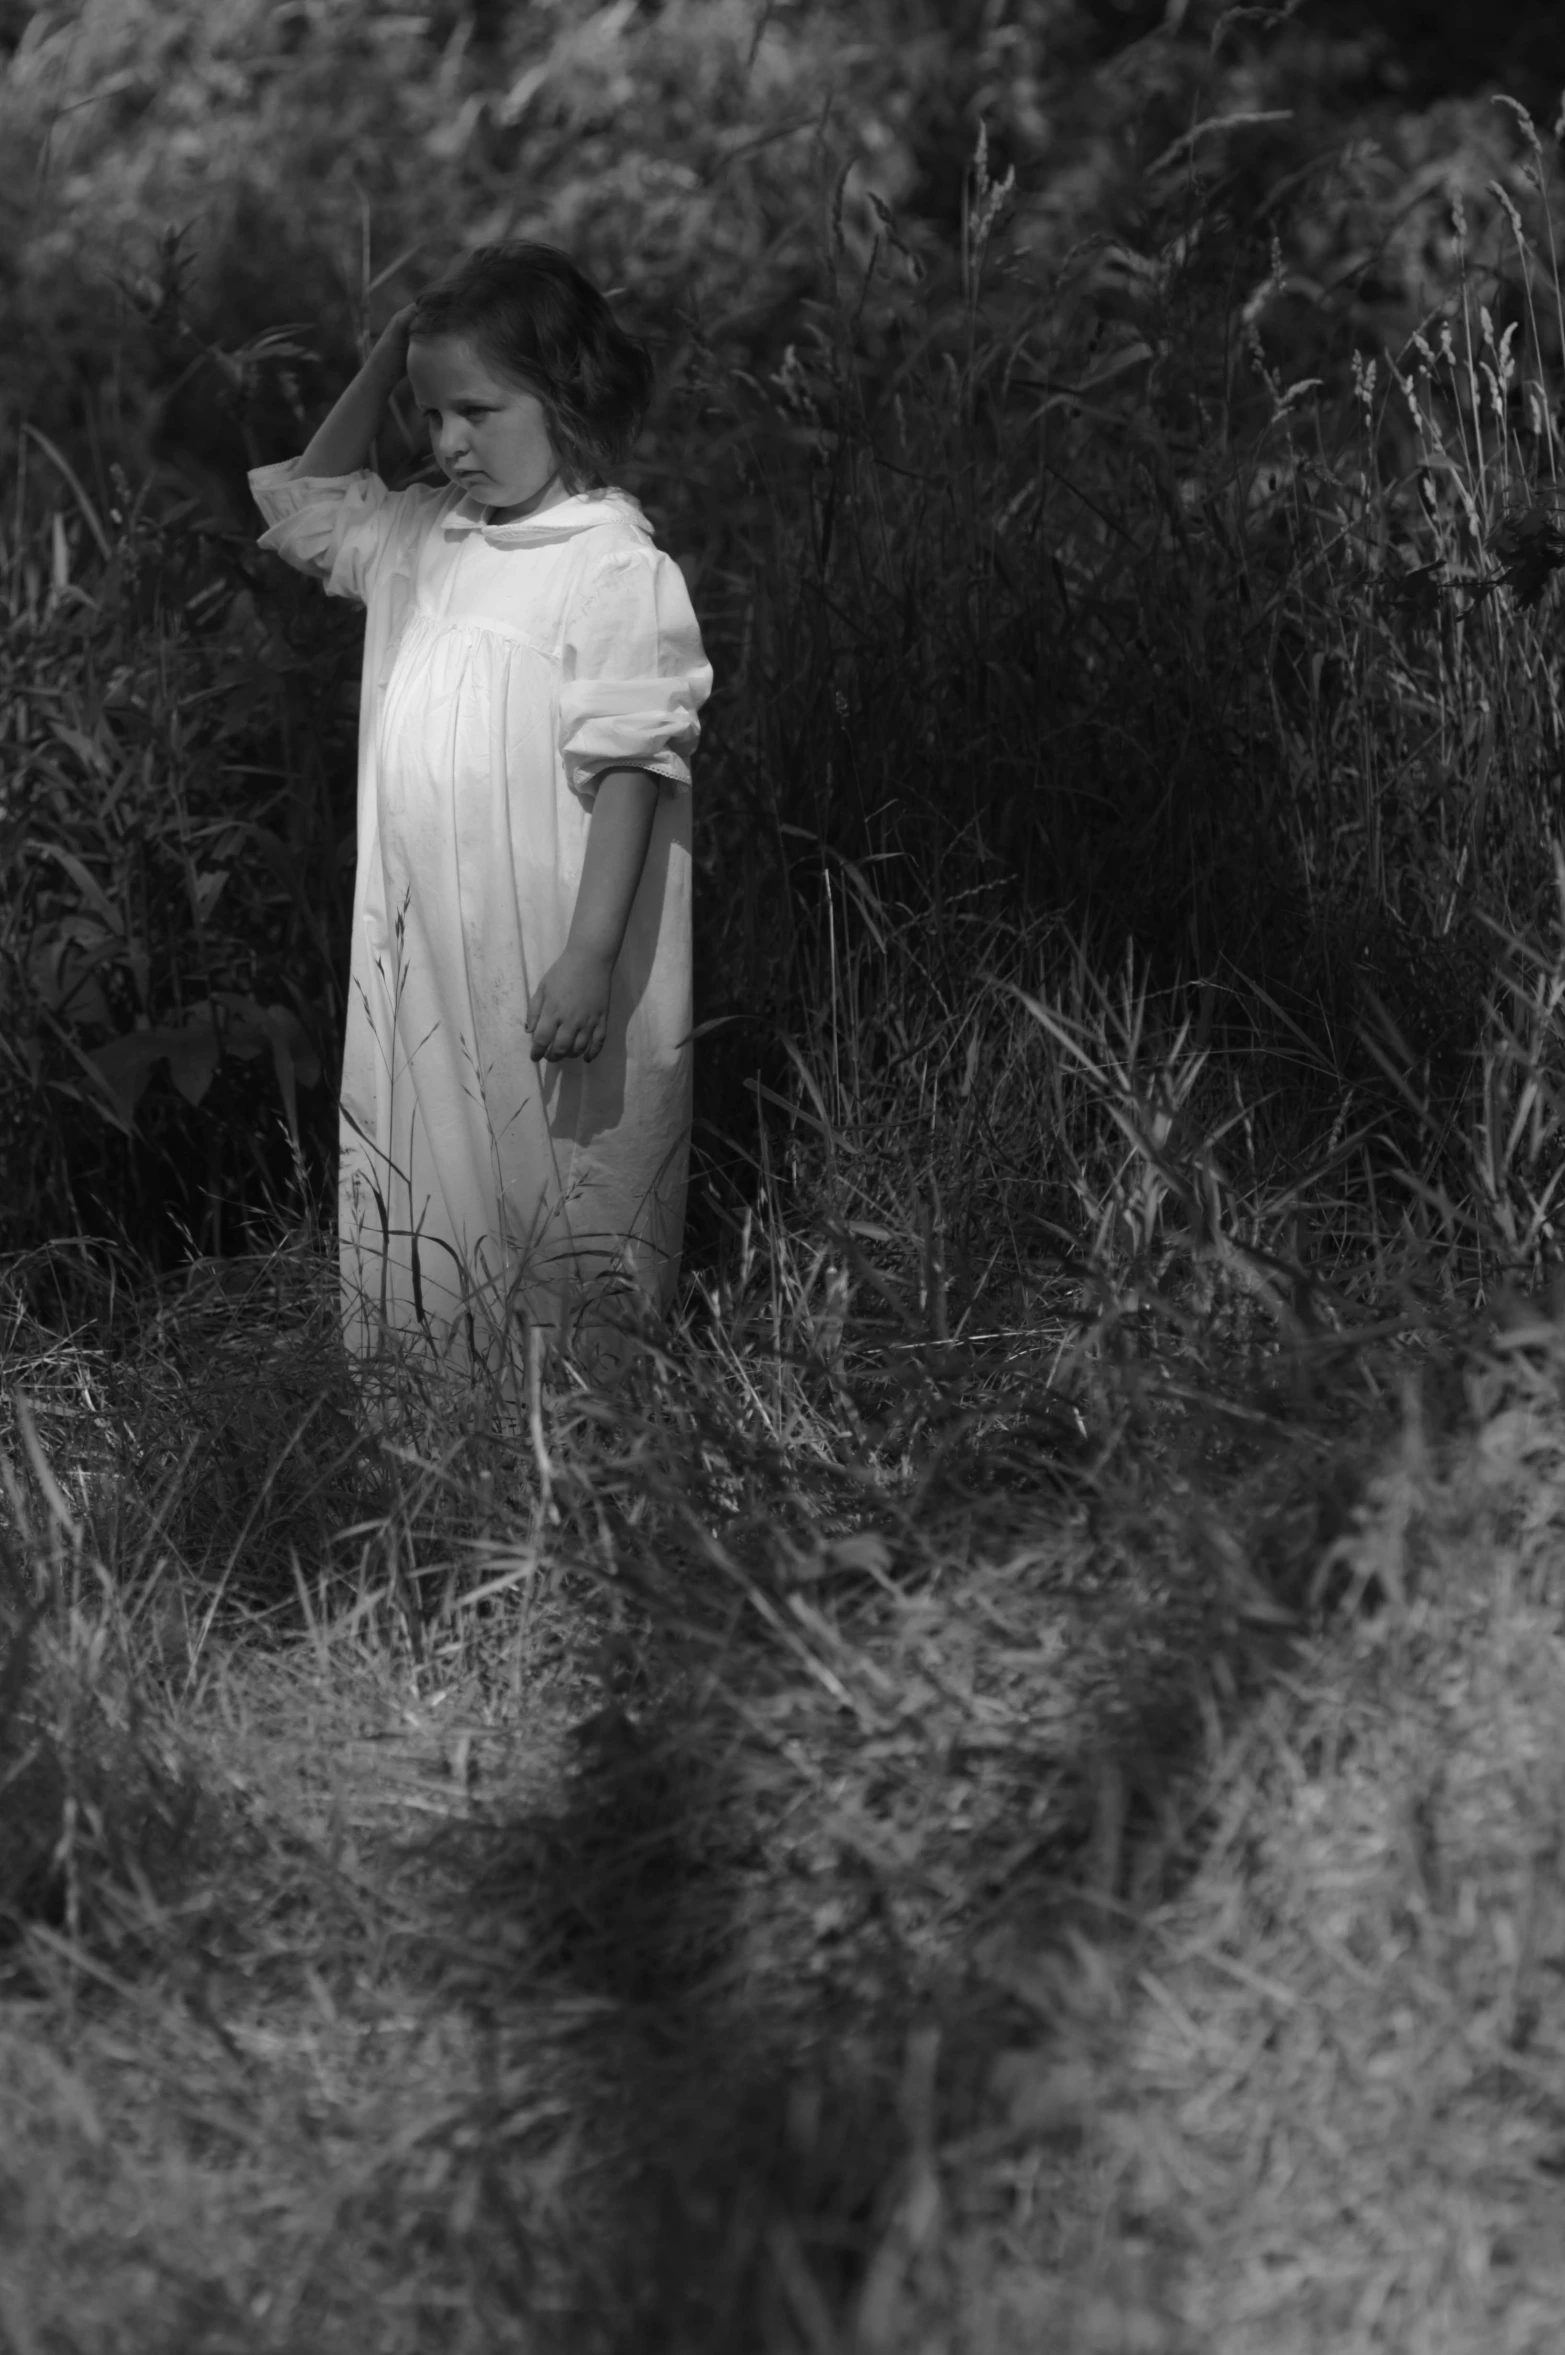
(961, 1806)
(1345, 2088)
(975, 1930)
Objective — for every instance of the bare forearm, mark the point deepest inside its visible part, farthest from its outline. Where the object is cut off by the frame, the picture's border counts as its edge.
(617, 840)
(341, 444)
(568, 1012)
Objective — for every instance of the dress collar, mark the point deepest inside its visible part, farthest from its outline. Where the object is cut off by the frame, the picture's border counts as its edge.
(583, 511)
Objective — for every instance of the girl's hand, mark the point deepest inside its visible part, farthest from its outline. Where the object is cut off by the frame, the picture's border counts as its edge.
(568, 1013)
(342, 443)
(391, 345)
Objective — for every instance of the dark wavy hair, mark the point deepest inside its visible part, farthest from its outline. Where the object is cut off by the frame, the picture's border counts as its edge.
(534, 316)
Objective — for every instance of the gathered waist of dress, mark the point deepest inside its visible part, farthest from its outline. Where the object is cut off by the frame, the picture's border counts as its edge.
(427, 622)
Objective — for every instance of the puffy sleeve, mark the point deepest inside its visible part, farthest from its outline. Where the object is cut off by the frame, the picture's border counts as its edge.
(339, 527)
(635, 674)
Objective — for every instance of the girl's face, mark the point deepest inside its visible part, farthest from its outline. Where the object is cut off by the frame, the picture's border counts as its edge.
(489, 432)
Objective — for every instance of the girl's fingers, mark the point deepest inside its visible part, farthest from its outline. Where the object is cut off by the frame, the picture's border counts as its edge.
(554, 1042)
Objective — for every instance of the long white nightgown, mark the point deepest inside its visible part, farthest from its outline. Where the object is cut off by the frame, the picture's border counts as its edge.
(505, 667)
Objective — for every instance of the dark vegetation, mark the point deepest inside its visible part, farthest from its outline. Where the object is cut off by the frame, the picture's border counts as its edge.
(1061, 567)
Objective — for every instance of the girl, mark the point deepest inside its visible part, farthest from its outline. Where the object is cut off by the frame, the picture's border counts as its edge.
(516, 1075)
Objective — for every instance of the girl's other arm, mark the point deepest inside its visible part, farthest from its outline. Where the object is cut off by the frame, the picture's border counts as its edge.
(568, 1013)
(342, 443)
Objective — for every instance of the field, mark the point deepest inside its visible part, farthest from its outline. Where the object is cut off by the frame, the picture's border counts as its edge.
(1001, 1787)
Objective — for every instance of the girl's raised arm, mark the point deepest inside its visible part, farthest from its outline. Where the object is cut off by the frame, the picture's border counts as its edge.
(341, 445)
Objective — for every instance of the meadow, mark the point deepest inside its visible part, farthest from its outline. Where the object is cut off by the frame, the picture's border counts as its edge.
(1001, 1788)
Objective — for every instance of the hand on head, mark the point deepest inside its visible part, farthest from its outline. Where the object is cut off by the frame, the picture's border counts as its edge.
(393, 337)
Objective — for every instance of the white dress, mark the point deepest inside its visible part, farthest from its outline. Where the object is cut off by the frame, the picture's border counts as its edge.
(505, 667)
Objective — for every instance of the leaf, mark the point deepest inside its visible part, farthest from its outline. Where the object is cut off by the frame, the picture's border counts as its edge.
(68, 474)
(293, 1059)
(251, 1026)
(1414, 589)
(1530, 548)
(89, 753)
(206, 889)
(192, 1060)
(87, 884)
(62, 964)
(863, 1550)
(227, 1024)
(126, 1064)
(110, 1099)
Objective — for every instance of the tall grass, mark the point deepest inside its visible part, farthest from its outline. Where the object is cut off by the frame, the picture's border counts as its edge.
(173, 889)
(1014, 672)
(1279, 708)
(1052, 609)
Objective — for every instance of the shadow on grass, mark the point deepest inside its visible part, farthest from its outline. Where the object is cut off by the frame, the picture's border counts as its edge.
(781, 2017)
(838, 1968)
(734, 2138)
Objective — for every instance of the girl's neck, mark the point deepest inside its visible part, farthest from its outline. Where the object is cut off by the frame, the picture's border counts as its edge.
(548, 494)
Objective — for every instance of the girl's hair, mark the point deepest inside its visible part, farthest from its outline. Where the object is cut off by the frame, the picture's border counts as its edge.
(533, 315)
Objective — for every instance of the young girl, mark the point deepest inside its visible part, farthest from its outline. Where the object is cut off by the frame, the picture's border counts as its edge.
(516, 1076)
